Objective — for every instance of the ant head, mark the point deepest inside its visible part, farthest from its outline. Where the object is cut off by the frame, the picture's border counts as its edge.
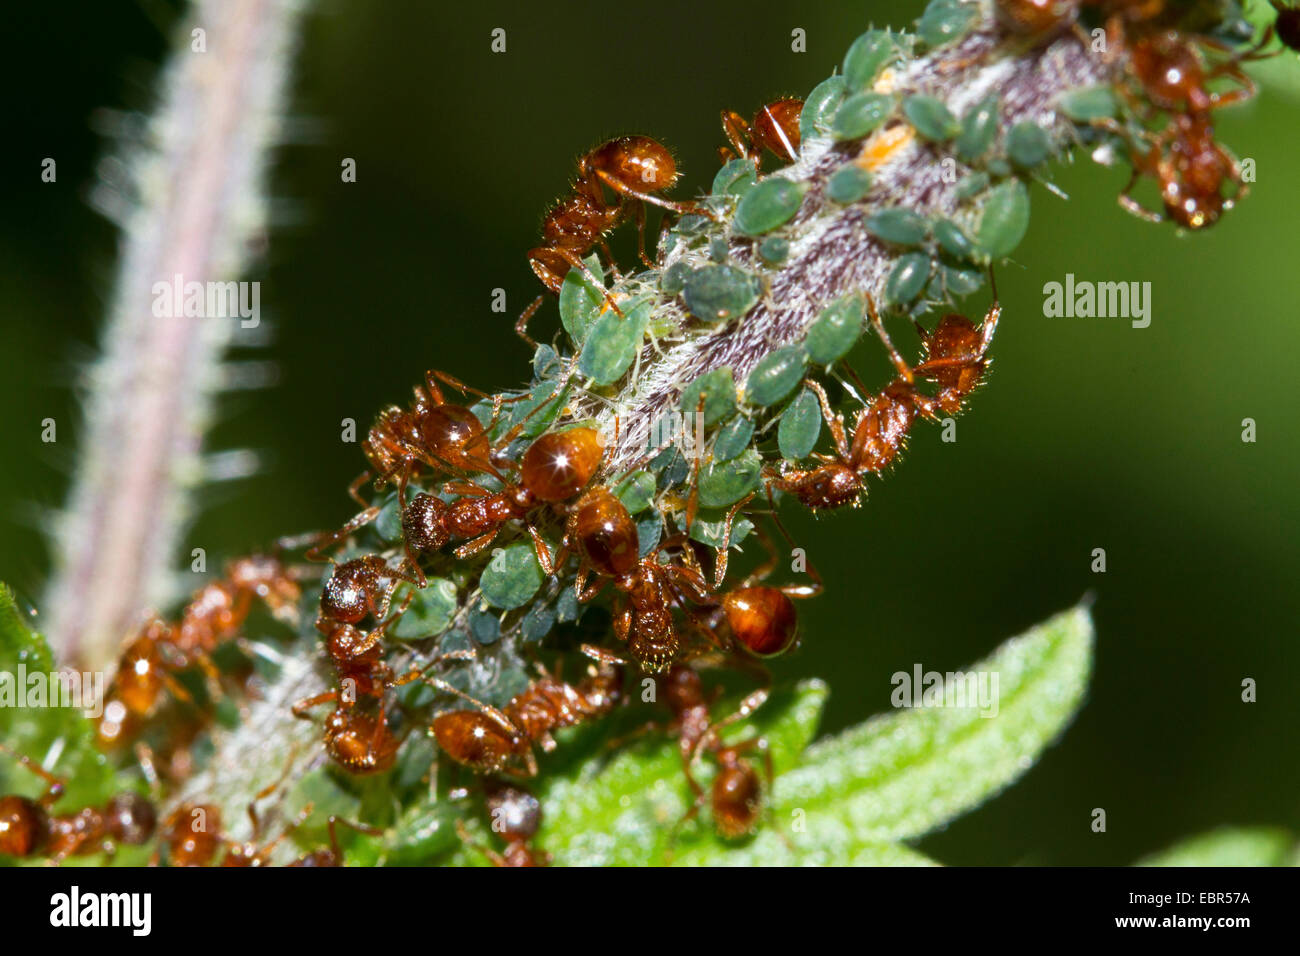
(422, 523)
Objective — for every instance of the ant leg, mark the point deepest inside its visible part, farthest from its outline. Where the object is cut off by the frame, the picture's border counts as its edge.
(602, 656)
(575, 262)
(334, 537)
(473, 547)
(833, 421)
(747, 706)
(905, 371)
(354, 489)
(495, 858)
(521, 326)
(640, 236)
(681, 208)
(301, 707)
(724, 551)
(543, 552)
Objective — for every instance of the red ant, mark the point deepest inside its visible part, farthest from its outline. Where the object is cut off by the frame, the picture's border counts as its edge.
(955, 360)
(30, 827)
(636, 168)
(775, 127)
(601, 531)
(736, 796)
(1191, 174)
(487, 740)
(433, 433)
(214, 615)
(516, 815)
(554, 468)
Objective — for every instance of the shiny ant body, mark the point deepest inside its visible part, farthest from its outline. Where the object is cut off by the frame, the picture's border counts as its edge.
(489, 740)
(775, 128)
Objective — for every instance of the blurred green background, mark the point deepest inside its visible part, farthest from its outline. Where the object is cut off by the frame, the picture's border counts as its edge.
(1091, 433)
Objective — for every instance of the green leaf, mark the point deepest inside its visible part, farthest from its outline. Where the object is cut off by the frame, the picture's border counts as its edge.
(39, 732)
(621, 809)
(903, 774)
(1230, 846)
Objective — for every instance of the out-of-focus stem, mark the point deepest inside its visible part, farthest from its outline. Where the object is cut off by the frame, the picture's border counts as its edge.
(198, 198)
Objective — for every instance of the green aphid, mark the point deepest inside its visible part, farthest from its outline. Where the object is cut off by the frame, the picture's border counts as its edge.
(512, 577)
(775, 375)
(869, 54)
(960, 282)
(774, 250)
(1028, 145)
(648, 532)
(484, 627)
(733, 438)
(897, 225)
(613, 342)
(953, 239)
(861, 114)
(710, 532)
(770, 204)
(537, 623)
(725, 483)
(673, 279)
(819, 107)
(907, 278)
(800, 427)
(735, 178)
(430, 612)
(972, 186)
(979, 127)
(945, 21)
(718, 293)
(848, 184)
(1004, 220)
(1089, 104)
(581, 299)
(834, 333)
(718, 388)
(931, 117)
(636, 491)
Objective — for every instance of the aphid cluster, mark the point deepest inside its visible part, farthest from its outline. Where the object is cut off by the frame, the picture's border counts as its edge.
(511, 538)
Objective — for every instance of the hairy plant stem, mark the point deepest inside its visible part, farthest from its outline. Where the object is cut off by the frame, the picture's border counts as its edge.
(197, 204)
